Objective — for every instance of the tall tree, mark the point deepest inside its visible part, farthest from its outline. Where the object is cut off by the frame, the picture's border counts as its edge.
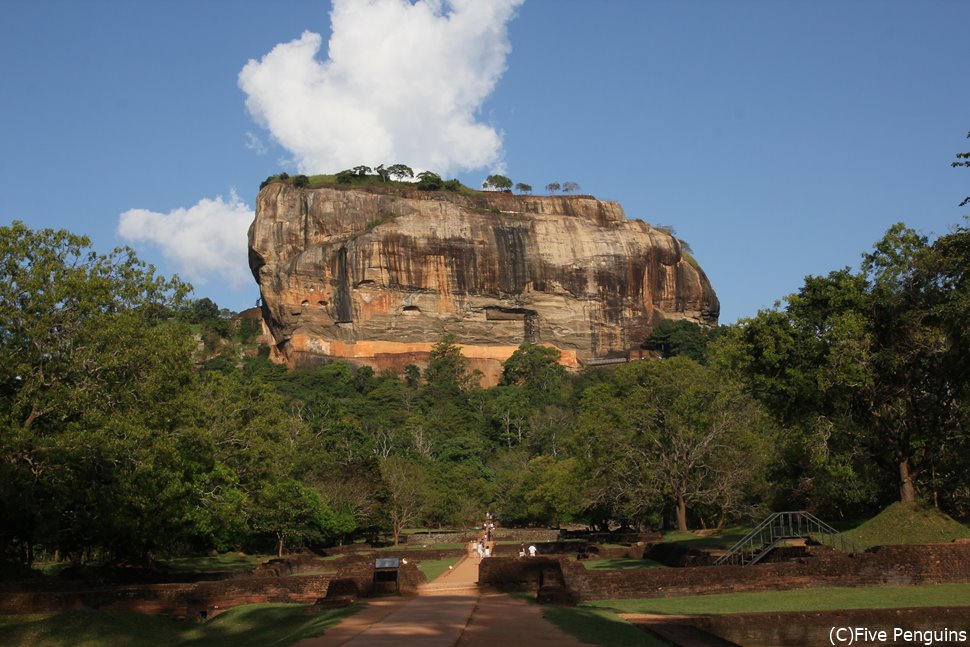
(963, 159)
(290, 511)
(87, 368)
(400, 171)
(869, 352)
(537, 370)
(674, 431)
(404, 482)
(497, 183)
(678, 337)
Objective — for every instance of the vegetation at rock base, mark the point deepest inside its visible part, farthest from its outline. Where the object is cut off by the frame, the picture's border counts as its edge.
(138, 423)
(672, 338)
(868, 371)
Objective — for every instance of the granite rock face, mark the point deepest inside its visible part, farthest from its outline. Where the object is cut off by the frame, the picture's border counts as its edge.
(379, 275)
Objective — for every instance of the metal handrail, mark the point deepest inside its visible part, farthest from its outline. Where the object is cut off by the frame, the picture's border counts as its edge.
(780, 526)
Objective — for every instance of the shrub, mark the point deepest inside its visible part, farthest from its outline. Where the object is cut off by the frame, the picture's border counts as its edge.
(429, 181)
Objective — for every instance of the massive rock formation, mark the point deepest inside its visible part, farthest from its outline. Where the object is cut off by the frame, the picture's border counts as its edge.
(379, 275)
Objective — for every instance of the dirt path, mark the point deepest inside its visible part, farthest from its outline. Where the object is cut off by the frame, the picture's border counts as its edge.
(503, 621)
(448, 612)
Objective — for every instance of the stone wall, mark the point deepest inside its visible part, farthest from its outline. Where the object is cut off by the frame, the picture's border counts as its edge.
(500, 534)
(177, 600)
(507, 574)
(276, 581)
(440, 538)
(887, 565)
(796, 629)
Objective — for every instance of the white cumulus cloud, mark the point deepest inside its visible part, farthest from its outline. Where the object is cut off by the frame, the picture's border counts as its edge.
(205, 241)
(402, 82)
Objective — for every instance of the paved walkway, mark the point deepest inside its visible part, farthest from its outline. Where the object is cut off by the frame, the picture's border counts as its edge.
(448, 612)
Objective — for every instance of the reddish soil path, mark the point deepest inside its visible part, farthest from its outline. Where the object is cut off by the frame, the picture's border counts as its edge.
(448, 612)
(503, 621)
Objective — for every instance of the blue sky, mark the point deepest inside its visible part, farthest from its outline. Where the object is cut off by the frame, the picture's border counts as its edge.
(779, 138)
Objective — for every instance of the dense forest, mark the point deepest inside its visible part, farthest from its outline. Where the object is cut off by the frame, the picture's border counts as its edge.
(136, 424)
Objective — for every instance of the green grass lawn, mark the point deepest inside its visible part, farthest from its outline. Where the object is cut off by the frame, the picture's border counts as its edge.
(721, 539)
(820, 599)
(903, 523)
(195, 564)
(600, 627)
(432, 568)
(619, 564)
(221, 562)
(400, 547)
(252, 625)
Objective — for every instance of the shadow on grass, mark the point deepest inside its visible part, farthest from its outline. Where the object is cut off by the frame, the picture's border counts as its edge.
(723, 539)
(221, 562)
(251, 625)
(620, 564)
(600, 627)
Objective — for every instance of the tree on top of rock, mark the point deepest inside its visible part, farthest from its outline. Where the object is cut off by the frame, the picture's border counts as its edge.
(963, 159)
(497, 183)
(400, 171)
(428, 181)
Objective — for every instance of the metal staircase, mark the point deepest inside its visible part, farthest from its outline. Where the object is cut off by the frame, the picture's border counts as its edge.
(781, 527)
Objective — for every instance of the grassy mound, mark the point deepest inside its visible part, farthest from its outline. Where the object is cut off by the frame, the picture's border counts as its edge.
(903, 523)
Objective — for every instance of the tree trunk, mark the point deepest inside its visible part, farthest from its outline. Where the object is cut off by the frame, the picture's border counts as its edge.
(681, 512)
(279, 545)
(907, 493)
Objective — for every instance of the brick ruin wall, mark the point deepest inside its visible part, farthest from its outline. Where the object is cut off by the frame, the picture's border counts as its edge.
(500, 534)
(886, 565)
(795, 629)
(285, 580)
(176, 600)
